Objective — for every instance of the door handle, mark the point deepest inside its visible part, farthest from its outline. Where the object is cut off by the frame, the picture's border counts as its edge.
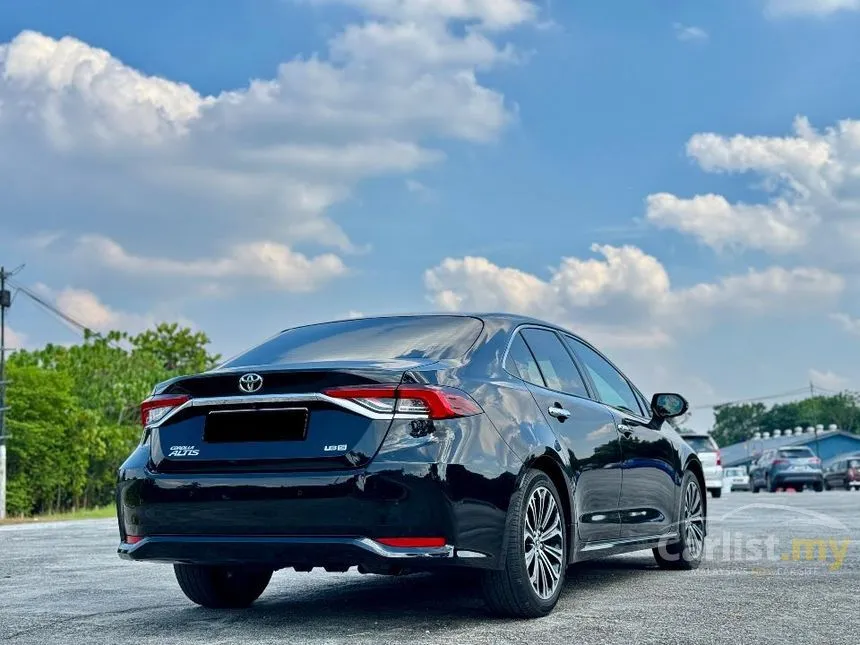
(625, 429)
(558, 412)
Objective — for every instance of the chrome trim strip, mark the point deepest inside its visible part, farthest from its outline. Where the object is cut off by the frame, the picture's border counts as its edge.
(346, 404)
(621, 542)
(446, 551)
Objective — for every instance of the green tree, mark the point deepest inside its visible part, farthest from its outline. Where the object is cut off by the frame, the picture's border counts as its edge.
(734, 423)
(75, 411)
(178, 349)
(50, 441)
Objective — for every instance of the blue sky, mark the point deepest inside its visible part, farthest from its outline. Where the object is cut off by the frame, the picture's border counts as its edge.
(453, 154)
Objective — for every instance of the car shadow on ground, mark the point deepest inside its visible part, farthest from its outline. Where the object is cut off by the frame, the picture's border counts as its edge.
(377, 603)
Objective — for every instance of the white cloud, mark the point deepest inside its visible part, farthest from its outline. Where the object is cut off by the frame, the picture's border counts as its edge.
(848, 323)
(493, 14)
(828, 380)
(273, 264)
(820, 8)
(689, 33)
(85, 307)
(91, 144)
(812, 180)
(624, 298)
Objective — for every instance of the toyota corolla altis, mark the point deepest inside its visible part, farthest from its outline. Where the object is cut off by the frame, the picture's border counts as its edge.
(494, 443)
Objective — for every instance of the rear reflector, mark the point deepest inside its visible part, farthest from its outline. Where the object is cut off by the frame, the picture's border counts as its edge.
(132, 539)
(431, 401)
(412, 542)
(156, 407)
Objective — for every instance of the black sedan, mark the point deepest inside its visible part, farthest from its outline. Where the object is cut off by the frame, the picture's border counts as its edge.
(493, 443)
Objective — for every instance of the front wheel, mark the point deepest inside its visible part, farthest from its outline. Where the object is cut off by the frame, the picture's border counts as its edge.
(687, 551)
(536, 553)
(221, 587)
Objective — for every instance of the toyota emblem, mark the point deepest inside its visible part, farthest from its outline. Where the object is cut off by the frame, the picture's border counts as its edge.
(250, 383)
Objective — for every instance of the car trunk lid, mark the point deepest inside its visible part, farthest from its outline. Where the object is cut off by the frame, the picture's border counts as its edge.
(284, 423)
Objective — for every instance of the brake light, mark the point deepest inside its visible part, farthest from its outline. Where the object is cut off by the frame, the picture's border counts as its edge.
(719, 459)
(154, 409)
(780, 462)
(409, 542)
(432, 401)
(815, 460)
(852, 474)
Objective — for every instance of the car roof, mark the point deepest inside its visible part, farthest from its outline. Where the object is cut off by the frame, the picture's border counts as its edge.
(517, 319)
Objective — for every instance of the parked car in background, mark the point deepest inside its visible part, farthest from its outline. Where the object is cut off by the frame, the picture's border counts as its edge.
(709, 454)
(843, 472)
(737, 478)
(794, 467)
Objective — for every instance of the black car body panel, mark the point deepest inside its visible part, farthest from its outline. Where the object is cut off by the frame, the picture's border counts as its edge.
(324, 498)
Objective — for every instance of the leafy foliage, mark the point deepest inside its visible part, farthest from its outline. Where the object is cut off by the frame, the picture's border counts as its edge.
(74, 412)
(735, 423)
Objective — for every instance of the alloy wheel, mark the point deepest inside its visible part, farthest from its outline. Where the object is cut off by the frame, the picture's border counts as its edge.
(694, 521)
(543, 542)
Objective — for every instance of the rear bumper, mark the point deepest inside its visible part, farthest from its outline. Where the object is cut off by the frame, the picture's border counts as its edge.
(798, 478)
(330, 552)
(316, 519)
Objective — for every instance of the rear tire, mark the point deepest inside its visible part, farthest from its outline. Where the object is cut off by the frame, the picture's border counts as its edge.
(818, 487)
(753, 488)
(686, 553)
(771, 485)
(221, 587)
(716, 492)
(535, 553)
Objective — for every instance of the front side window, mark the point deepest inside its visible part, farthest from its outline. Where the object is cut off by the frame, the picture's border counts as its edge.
(612, 388)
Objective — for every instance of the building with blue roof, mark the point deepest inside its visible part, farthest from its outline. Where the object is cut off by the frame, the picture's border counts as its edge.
(826, 444)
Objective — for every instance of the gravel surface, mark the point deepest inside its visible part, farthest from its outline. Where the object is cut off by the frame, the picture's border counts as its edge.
(63, 583)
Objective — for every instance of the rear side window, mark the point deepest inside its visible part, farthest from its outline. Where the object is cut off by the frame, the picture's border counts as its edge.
(702, 443)
(558, 369)
(612, 388)
(520, 362)
(404, 337)
(795, 453)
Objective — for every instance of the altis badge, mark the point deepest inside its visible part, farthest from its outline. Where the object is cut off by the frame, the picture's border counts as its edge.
(183, 451)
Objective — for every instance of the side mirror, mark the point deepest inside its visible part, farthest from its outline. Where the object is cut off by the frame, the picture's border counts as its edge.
(667, 406)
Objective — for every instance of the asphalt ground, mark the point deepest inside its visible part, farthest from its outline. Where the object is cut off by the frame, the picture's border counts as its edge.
(781, 568)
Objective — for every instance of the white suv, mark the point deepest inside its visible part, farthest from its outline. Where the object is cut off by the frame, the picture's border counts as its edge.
(709, 455)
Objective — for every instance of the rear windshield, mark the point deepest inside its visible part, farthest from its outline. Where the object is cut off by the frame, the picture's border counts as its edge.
(702, 443)
(854, 463)
(734, 472)
(795, 453)
(406, 337)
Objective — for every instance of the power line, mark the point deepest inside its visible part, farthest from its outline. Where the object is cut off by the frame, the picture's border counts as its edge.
(63, 316)
(768, 397)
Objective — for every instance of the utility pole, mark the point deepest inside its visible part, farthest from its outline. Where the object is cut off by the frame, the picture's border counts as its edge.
(5, 303)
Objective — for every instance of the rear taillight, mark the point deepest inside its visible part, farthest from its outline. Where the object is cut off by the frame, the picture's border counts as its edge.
(430, 401)
(719, 459)
(815, 460)
(154, 409)
(780, 462)
(852, 474)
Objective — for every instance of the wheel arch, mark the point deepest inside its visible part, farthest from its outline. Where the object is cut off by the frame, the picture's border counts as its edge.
(552, 467)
